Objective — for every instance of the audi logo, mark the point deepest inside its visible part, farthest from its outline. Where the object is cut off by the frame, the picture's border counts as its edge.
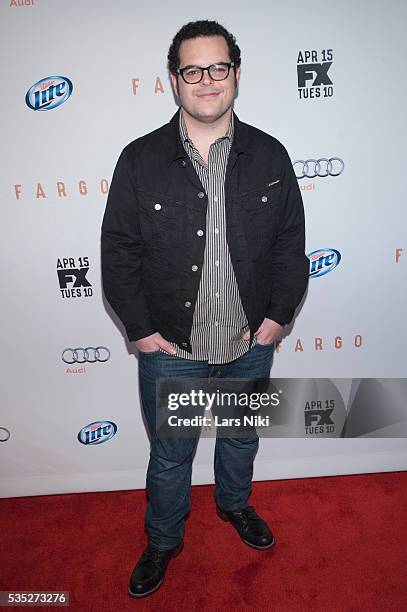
(310, 168)
(86, 355)
(4, 434)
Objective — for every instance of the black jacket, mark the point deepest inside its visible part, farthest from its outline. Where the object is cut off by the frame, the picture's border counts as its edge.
(154, 230)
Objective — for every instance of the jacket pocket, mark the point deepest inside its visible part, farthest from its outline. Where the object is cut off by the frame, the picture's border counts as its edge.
(259, 208)
(158, 205)
(265, 193)
(162, 219)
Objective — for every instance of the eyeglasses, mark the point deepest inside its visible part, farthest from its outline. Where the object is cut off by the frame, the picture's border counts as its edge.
(217, 72)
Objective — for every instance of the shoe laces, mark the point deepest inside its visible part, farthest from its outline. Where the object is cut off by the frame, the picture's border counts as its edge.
(247, 514)
(249, 511)
(155, 554)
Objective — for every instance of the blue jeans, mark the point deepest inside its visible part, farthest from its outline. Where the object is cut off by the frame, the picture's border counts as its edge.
(170, 466)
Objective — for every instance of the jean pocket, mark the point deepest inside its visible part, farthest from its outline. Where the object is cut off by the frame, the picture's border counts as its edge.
(264, 346)
(149, 353)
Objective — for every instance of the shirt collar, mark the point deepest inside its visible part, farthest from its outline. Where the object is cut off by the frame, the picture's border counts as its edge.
(173, 144)
(184, 132)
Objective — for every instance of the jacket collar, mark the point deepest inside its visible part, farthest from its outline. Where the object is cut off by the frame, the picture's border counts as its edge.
(239, 143)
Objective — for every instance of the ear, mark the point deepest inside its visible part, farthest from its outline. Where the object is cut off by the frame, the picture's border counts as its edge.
(237, 76)
(174, 83)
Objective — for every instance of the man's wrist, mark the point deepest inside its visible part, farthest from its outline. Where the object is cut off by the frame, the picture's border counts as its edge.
(279, 323)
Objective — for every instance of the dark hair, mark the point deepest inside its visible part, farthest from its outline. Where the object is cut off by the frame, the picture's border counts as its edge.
(195, 29)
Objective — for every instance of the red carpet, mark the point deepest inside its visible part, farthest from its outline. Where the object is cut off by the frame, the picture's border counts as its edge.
(341, 546)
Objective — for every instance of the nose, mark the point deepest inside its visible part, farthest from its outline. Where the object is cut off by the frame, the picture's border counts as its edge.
(206, 79)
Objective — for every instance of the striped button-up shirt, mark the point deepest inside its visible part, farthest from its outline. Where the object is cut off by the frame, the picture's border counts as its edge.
(219, 320)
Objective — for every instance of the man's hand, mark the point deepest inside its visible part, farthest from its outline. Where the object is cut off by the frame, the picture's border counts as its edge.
(268, 331)
(152, 343)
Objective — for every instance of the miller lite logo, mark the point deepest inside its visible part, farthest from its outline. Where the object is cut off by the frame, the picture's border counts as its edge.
(97, 432)
(48, 93)
(323, 261)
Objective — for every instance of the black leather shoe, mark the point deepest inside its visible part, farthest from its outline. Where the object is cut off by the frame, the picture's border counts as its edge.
(149, 572)
(251, 528)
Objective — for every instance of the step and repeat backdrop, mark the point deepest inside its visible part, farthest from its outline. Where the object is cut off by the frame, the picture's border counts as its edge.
(80, 81)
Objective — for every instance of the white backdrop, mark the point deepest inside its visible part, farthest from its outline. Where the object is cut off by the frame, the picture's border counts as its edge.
(352, 323)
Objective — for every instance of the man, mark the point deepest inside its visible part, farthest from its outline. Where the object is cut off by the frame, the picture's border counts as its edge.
(203, 261)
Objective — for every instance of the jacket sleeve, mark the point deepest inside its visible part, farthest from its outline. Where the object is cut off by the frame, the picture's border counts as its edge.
(121, 244)
(290, 266)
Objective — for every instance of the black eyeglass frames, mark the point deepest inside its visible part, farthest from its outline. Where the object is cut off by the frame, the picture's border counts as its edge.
(194, 74)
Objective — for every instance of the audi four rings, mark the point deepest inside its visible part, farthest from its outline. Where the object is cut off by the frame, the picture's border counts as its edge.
(86, 355)
(310, 168)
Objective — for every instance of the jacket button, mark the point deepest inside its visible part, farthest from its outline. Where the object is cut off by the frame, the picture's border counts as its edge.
(157, 206)
(194, 268)
(187, 304)
(201, 194)
(200, 233)
(264, 199)
(183, 163)
(184, 343)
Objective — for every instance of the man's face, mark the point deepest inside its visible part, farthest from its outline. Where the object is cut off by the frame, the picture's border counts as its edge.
(207, 100)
